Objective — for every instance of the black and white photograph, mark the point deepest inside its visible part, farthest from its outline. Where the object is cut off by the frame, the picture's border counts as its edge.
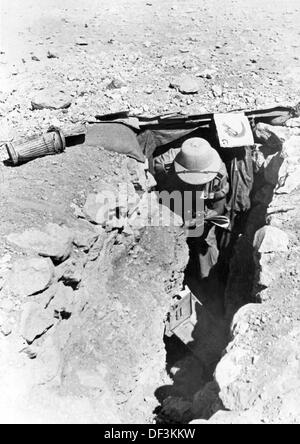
(150, 228)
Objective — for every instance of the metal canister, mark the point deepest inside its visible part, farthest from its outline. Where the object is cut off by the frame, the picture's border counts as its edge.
(49, 144)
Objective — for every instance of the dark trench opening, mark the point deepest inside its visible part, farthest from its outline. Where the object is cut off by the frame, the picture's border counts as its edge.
(191, 365)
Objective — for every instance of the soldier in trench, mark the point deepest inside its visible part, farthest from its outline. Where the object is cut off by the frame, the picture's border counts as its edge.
(197, 167)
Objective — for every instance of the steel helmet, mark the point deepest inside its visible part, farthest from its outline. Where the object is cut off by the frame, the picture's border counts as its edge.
(197, 163)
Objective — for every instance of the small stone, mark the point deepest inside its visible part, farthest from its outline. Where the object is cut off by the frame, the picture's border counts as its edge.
(207, 74)
(35, 59)
(51, 55)
(217, 90)
(30, 276)
(116, 84)
(81, 42)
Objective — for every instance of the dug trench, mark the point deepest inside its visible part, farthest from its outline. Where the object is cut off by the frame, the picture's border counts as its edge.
(194, 392)
(206, 373)
(108, 360)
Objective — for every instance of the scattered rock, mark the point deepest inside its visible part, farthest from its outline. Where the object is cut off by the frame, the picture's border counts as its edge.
(35, 321)
(30, 276)
(186, 85)
(217, 90)
(51, 55)
(207, 74)
(271, 240)
(35, 59)
(81, 42)
(51, 99)
(54, 241)
(116, 84)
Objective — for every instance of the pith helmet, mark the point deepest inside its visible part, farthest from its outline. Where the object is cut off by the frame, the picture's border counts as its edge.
(197, 163)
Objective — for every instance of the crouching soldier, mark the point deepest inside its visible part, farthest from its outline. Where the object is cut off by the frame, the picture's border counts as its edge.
(197, 168)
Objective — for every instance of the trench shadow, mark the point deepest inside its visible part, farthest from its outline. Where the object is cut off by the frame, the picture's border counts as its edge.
(191, 366)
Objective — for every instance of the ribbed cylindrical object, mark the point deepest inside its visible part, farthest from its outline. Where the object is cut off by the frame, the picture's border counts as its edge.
(48, 144)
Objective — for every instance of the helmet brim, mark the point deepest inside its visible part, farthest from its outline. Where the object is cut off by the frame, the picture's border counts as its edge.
(198, 177)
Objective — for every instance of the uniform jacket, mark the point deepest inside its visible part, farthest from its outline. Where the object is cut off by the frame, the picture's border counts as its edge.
(214, 193)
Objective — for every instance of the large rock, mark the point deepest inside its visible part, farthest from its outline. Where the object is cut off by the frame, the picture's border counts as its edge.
(186, 85)
(51, 99)
(259, 374)
(54, 241)
(271, 239)
(30, 276)
(35, 321)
